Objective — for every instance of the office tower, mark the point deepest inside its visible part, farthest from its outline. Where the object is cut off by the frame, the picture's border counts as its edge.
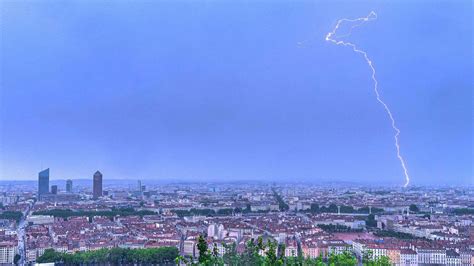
(43, 182)
(97, 186)
(69, 186)
(54, 189)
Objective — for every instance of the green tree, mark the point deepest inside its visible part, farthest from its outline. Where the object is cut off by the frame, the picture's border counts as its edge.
(367, 257)
(347, 209)
(369, 260)
(204, 255)
(319, 261)
(16, 258)
(391, 233)
(216, 259)
(271, 256)
(383, 261)
(332, 208)
(346, 259)
(250, 255)
(281, 251)
(230, 256)
(65, 213)
(463, 211)
(11, 215)
(370, 221)
(414, 208)
(248, 208)
(115, 256)
(260, 245)
(49, 255)
(314, 208)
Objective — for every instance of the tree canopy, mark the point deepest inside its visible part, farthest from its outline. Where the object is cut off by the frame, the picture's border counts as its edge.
(162, 255)
(273, 255)
(65, 213)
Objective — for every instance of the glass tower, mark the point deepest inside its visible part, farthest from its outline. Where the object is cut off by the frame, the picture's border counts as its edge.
(69, 186)
(43, 182)
(54, 189)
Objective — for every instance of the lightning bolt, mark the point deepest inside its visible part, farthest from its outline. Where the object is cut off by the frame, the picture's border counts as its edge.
(332, 37)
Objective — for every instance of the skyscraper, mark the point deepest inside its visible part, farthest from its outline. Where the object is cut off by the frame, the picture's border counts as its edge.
(43, 182)
(97, 188)
(69, 186)
(54, 189)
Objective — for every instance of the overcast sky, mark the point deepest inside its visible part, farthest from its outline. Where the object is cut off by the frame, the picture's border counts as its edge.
(221, 90)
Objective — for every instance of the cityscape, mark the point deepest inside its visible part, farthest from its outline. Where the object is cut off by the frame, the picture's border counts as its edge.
(236, 133)
(412, 226)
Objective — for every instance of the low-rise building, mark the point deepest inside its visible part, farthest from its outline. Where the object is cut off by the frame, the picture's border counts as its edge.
(408, 257)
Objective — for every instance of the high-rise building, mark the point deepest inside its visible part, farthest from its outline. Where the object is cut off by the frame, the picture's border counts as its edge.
(43, 182)
(69, 186)
(97, 186)
(54, 189)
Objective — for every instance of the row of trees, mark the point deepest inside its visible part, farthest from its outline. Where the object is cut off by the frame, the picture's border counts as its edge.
(463, 211)
(220, 212)
(11, 215)
(283, 206)
(391, 233)
(65, 213)
(281, 203)
(206, 212)
(273, 256)
(116, 256)
(332, 208)
(337, 228)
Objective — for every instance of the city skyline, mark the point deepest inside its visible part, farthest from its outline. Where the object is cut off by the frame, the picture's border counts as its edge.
(406, 227)
(322, 180)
